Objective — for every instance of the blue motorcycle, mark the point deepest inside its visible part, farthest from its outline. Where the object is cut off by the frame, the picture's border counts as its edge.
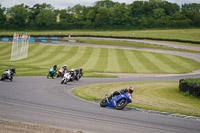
(51, 73)
(119, 101)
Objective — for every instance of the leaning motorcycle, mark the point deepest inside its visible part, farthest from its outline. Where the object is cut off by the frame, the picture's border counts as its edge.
(72, 73)
(66, 78)
(77, 75)
(7, 75)
(51, 73)
(119, 101)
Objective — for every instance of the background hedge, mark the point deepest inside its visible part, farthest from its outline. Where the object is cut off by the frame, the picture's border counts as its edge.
(190, 85)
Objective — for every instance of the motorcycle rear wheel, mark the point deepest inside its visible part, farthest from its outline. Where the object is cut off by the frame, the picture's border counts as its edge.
(121, 104)
(103, 103)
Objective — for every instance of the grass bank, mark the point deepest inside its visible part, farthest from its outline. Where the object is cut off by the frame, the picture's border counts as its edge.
(181, 34)
(92, 59)
(153, 95)
(132, 44)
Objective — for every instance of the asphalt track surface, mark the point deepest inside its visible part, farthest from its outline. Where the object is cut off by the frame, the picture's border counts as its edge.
(39, 100)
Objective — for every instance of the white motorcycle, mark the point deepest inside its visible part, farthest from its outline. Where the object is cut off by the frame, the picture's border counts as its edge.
(7, 75)
(66, 78)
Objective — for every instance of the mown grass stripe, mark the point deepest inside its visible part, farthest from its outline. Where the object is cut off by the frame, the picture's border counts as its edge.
(54, 60)
(90, 64)
(135, 63)
(113, 64)
(84, 58)
(4, 44)
(67, 56)
(169, 59)
(165, 68)
(147, 62)
(123, 62)
(9, 48)
(32, 48)
(5, 50)
(48, 56)
(102, 62)
(37, 56)
(3, 47)
(78, 55)
(37, 51)
(188, 64)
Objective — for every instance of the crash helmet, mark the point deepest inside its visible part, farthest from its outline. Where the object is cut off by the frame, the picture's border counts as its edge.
(130, 90)
(65, 66)
(55, 66)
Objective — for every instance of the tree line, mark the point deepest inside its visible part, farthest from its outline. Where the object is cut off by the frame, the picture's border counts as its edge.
(104, 14)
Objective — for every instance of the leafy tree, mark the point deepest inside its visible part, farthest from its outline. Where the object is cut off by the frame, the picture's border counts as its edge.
(105, 3)
(2, 17)
(194, 16)
(91, 16)
(192, 6)
(104, 14)
(66, 19)
(119, 15)
(158, 13)
(36, 9)
(102, 17)
(18, 16)
(46, 19)
(170, 8)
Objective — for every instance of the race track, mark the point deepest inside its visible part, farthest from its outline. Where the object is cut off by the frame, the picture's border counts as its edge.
(39, 100)
(44, 101)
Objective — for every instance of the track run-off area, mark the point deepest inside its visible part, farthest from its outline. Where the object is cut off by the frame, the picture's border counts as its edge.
(38, 100)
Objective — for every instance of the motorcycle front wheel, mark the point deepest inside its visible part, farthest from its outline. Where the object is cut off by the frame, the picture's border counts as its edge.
(121, 104)
(103, 103)
(62, 81)
(3, 77)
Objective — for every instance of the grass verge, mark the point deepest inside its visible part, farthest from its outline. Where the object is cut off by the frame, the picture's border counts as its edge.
(153, 95)
(181, 34)
(131, 44)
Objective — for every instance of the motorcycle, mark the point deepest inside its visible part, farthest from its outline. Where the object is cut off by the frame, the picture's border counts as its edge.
(77, 75)
(61, 72)
(66, 78)
(81, 73)
(7, 75)
(119, 101)
(72, 73)
(51, 73)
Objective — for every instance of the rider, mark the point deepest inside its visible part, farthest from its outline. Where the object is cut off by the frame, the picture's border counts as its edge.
(81, 71)
(130, 90)
(12, 72)
(55, 68)
(65, 68)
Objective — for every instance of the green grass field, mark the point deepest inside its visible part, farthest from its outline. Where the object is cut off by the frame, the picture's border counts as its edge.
(92, 59)
(153, 95)
(182, 34)
(133, 44)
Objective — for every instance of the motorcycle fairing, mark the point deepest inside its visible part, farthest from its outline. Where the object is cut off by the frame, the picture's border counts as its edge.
(115, 99)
